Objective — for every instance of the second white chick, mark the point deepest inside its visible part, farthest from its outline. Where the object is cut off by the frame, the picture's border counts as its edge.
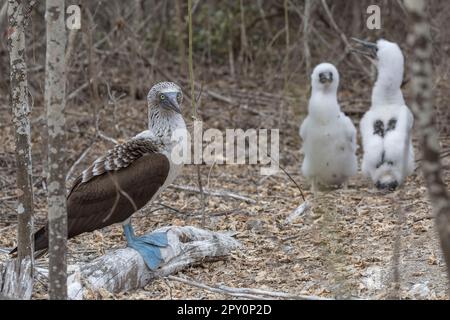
(386, 129)
(329, 136)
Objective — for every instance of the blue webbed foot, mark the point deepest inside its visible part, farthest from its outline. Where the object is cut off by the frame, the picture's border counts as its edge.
(147, 245)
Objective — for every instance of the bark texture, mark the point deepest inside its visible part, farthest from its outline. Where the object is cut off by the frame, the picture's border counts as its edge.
(20, 117)
(422, 106)
(55, 101)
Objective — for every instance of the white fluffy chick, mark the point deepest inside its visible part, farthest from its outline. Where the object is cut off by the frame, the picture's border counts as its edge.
(386, 129)
(329, 136)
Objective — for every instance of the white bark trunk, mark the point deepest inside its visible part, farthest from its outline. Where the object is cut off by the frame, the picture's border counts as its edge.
(20, 117)
(124, 269)
(422, 84)
(55, 82)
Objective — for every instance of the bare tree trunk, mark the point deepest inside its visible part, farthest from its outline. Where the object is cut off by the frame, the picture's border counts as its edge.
(286, 60)
(264, 18)
(134, 49)
(55, 98)
(209, 33)
(287, 43)
(194, 102)
(92, 66)
(420, 40)
(180, 36)
(21, 111)
(190, 62)
(306, 51)
(244, 53)
(230, 42)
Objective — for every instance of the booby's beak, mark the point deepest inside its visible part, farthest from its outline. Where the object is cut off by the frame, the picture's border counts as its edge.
(370, 49)
(171, 101)
(325, 77)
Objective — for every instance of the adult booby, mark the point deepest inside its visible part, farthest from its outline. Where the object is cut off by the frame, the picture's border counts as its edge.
(129, 176)
(386, 129)
(329, 136)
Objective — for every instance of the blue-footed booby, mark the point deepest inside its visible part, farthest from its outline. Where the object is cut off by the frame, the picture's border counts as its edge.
(129, 176)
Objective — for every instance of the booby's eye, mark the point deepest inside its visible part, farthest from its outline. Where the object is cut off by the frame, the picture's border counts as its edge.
(162, 97)
(179, 97)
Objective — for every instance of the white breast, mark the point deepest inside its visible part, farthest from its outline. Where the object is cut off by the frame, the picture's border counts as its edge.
(169, 144)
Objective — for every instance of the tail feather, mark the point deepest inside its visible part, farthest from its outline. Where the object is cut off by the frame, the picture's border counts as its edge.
(40, 240)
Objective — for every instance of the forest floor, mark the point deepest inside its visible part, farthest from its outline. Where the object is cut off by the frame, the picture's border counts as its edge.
(343, 247)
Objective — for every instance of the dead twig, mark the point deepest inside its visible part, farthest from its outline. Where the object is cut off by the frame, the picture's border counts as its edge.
(220, 97)
(216, 193)
(9, 197)
(348, 46)
(247, 293)
(99, 133)
(78, 161)
(422, 218)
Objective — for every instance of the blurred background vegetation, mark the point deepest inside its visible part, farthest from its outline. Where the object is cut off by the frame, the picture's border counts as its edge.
(241, 39)
(246, 53)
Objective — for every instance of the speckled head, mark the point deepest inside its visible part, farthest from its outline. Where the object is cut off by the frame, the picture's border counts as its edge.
(165, 95)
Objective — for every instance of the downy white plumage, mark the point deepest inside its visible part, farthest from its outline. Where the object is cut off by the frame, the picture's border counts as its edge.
(329, 136)
(386, 129)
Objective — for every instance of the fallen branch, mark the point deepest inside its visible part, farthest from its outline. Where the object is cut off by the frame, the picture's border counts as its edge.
(247, 293)
(124, 269)
(216, 193)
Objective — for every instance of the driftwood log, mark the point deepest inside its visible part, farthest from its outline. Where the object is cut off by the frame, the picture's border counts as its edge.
(124, 269)
(16, 281)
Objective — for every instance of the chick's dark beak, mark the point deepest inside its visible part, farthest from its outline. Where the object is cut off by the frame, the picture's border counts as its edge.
(325, 77)
(369, 49)
(171, 102)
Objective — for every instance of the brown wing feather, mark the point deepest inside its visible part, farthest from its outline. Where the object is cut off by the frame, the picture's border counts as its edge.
(112, 189)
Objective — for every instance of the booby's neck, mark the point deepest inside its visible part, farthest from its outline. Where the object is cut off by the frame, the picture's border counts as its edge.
(323, 105)
(168, 130)
(387, 88)
(164, 123)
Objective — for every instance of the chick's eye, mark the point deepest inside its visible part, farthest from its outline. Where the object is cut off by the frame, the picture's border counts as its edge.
(179, 97)
(162, 97)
